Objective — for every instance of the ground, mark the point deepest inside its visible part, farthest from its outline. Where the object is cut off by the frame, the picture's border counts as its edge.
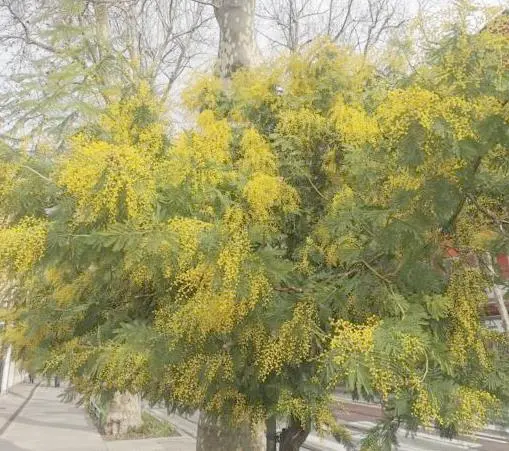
(32, 418)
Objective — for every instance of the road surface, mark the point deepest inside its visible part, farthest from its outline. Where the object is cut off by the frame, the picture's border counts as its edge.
(360, 417)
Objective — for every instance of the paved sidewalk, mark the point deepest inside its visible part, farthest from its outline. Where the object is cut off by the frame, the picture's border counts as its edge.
(12, 403)
(33, 418)
(44, 423)
(153, 444)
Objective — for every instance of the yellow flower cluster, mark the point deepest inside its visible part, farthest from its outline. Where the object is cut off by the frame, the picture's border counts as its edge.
(318, 413)
(473, 228)
(472, 409)
(403, 107)
(243, 412)
(124, 370)
(288, 403)
(254, 88)
(54, 276)
(413, 349)
(65, 293)
(253, 338)
(112, 177)
(23, 244)
(292, 344)
(72, 355)
(213, 143)
(203, 94)
(189, 381)
(265, 192)
(132, 121)
(356, 127)
(235, 250)
(199, 158)
(207, 313)
(350, 339)
(183, 382)
(260, 291)
(101, 176)
(324, 65)
(140, 274)
(425, 406)
(8, 173)
(390, 373)
(207, 291)
(305, 126)
(344, 198)
(333, 249)
(402, 371)
(466, 291)
(402, 180)
(256, 154)
(458, 113)
(188, 232)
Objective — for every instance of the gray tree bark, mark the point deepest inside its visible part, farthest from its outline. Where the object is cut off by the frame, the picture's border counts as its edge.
(271, 431)
(499, 294)
(504, 314)
(102, 27)
(294, 436)
(214, 435)
(237, 44)
(124, 414)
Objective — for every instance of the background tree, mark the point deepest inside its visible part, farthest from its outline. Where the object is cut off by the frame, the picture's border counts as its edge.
(66, 60)
(364, 25)
(237, 43)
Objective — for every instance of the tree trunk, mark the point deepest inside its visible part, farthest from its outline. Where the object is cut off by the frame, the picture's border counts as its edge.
(293, 437)
(6, 370)
(102, 24)
(237, 45)
(271, 431)
(499, 295)
(504, 314)
(215, 435)
(104, 49)
(124, 414)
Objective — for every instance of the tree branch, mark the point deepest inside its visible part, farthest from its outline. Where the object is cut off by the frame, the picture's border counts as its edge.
(28, 40)
(202, 2)
(37, 173)
(500, 222)
(289, 290)
(375, 272)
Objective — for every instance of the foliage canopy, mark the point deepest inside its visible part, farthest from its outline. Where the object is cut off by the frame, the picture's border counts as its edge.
(290, 241)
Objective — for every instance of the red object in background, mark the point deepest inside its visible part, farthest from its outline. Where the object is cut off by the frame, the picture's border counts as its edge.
(451, 252)
(503, 265)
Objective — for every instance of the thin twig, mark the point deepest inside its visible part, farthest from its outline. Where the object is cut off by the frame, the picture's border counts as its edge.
(201, 2)
(488, 213)
(375, 272)
(427, 367)
(314, 186)
(289, 289)
(37, 173)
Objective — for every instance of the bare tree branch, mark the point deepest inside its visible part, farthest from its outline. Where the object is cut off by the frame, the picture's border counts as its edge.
(202, 2)
(362, 24)
(95, 47)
